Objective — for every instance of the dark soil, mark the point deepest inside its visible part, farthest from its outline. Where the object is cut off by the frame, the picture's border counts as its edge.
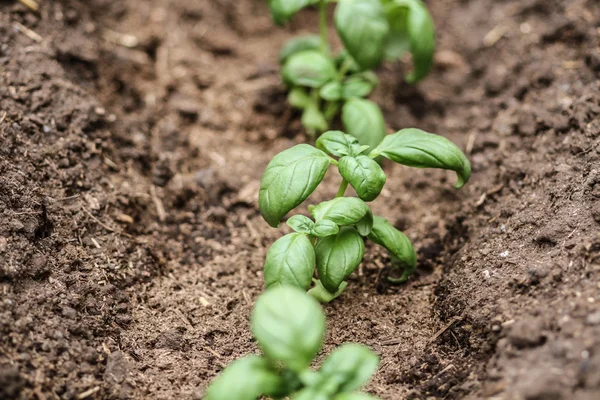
(133, 136)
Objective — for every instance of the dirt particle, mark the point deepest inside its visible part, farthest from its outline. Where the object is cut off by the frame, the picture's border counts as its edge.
(63, 163)
(540, 385)
(198, 394)
(11, 382)
(117, 368)
(593, 318)
(69, 312)
(171, 339)
(496, 80)
(527, 333)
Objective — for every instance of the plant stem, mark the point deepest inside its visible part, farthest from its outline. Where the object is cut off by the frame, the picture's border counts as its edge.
(346, 65)
(323, 26)
(342, 189)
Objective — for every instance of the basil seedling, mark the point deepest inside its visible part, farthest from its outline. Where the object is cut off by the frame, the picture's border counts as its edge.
(323, 85)
(331, 242)
(289, 327)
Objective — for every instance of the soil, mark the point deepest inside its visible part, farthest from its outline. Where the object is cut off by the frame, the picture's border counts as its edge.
(133, 138)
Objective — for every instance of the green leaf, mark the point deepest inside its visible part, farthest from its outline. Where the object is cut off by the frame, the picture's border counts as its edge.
(357, 86)
(313, 119)
(358, 149)
(362, 26)
(355, 396)
(283, 10)
(301, 224)
(298, 44)
(421, 31)
(343, 211)
(246, 379)
(412, 29)
(289, 179)
(311, 393)
(332, 91)
(397, 243)
(350, 366)
(365, 225)
(363, 119)
(309, 68)
(364, 175)
(289, 326)
(397, 42)
(290, 261)
(417, 148)
(323, 295)
(338, 256)
(336, 143)
(325, 228)
(298, 98)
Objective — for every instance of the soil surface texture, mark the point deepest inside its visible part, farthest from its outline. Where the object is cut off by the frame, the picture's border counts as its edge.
(133, 136)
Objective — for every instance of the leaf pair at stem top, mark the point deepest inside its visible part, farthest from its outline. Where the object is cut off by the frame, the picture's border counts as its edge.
(322, 85)
(332, 241)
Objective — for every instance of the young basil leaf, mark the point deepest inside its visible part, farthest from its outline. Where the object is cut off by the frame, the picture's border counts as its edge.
(358, 149)
(397, 243)
(301, 224)
(350, 365)
(356, 86)
(336, 143)
(412, 29)
(417, 148)
(338, 256)
(246, 379)
(368, 76)
(397, 42)
(362, 26)
(298, 44)
(355, 396)
(363, 119)
(309, 68)
(298, 98)
(290, 261)
(289, 179)
(342, 210)
(364, 175)
(323, 295)
(325, 228)
(311, 393)
(332, 91)
(288, 326)
(421, 31)
(313, 119)
(365, 225)
(283, 10)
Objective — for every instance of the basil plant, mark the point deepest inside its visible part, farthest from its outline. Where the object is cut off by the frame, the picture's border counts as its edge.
(289, 327)
(322, 84)
(332, 241)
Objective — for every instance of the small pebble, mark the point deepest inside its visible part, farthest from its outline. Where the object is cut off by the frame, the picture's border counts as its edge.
(593, 319)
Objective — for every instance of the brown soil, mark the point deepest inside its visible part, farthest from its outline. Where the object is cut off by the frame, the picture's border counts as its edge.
(143, 127)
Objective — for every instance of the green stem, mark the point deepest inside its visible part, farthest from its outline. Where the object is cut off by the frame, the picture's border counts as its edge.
(346, 65)
(331, 109)
(342, 189)
(323, 26)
